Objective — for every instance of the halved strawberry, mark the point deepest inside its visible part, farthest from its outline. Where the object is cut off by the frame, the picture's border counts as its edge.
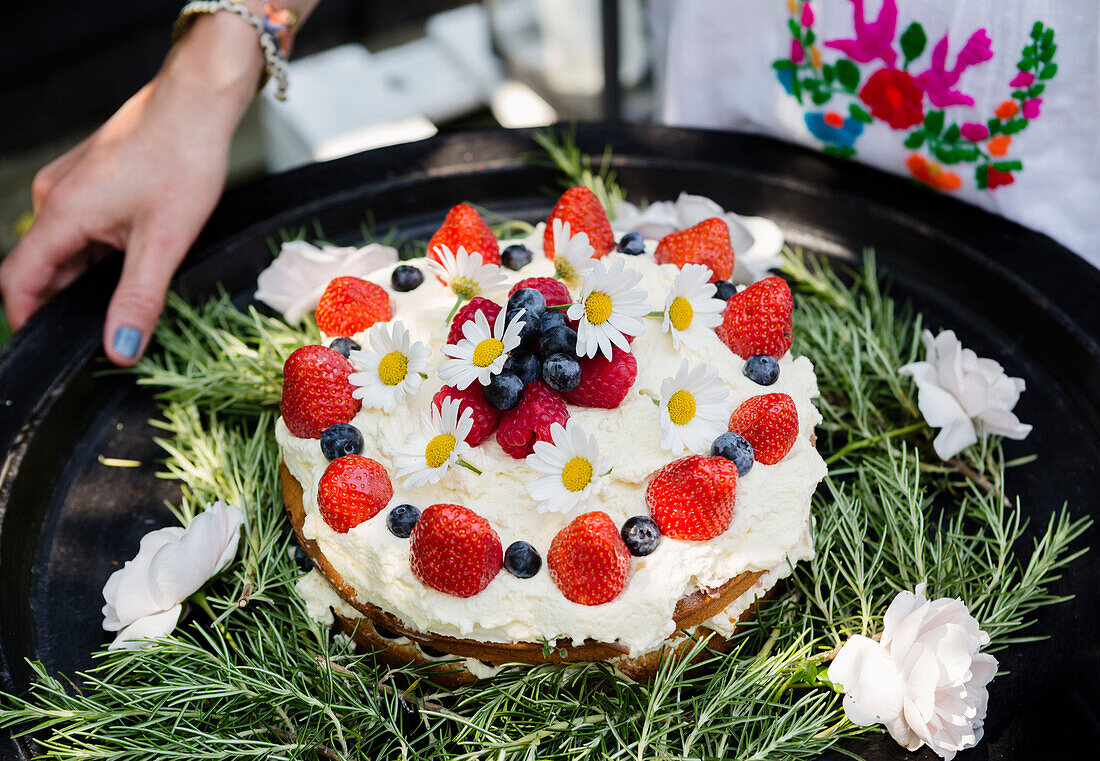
(770, 423)
(605, 382)
(588, 560)
(585, 214)
(350, 305)
(692, 498)
(465, 228)
(706, 243)
(316, 391)
(758, 319)
(473, 399)
(352, 489)
(454, 550)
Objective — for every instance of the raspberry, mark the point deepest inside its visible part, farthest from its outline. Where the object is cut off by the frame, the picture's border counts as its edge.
(605, 382)
(350, 305)
(472, 398)
(464, 228)
(454, 550)
(352, 489)
(588, 560)
(758, 319)
(707, 243)
(530, 421)
(316, 391)
(585, 214)
(770, 423)
(692, 498)
(477, 304)
(554, 291)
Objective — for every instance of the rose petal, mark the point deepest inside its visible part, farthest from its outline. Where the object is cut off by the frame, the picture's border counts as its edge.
(153, 625)
(127, 591)
(180, 569)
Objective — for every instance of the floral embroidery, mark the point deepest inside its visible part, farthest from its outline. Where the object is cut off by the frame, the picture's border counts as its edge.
(916, 103)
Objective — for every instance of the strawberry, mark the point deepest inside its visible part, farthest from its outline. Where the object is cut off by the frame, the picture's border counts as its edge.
(464, 228)
(552, 289)
(706, 243)
(316, 391)
(692, 498)
(770, 423)
(585, 214)
(604, 382)
(530, 421)
(758, 319)
(353, 489)
(477, 304)
(454, 550)
(350, 305)
(473, 398)
(588, 560)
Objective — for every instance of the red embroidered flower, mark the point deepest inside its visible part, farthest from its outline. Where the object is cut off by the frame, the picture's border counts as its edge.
(997, 178)
(894, 97)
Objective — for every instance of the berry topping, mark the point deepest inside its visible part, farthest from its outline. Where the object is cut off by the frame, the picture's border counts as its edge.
(477, 304)
(692, 498)
(554, 318)
(352, 489)
(588, 561)
(735, 448)
(641, 535)
(558, 340)
(473, 399)
(605, 382)
(632, 244)
(706, 243)
(350, 305)
(406, 277)
(770, 423)
(561, 372)
(531, 301)
(524, 364)
(504, 391)
(454, 550)
(402, 519)
(758, 319)
(464, 228)
(316, 392)
(516, 257)
(585, 214)
(522, 560)
(340, 440)
(725, 290)
(529, 333)
(344, 345)
(553, 290)
(530, 421)
(762, 369)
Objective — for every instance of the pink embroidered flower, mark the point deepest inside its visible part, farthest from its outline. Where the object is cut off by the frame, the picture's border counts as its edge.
(798, 55)
(873, 39)
(1032, 108)
(938, 80)
(974, 131)
(807, 16)
(1023, 79)
(894, 97)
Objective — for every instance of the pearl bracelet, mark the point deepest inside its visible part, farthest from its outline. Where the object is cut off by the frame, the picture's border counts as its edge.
(274, 28)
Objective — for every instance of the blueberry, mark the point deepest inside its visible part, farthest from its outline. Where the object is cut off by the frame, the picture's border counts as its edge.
(344, 345)
(641, 534)
(762, 369)
(504, 391)
(529, 333)
(301, 559)
(522, 560)
(632, 244)
(524, 364)
(725, 290)
(402, 519)
(405, 277)
(531, 300)
(561, 372)
(553, 318)
(516, 257)
(561, 340)
(341, 439)
(735, 448)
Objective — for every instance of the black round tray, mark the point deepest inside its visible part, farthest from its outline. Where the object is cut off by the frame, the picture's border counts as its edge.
(67, 521)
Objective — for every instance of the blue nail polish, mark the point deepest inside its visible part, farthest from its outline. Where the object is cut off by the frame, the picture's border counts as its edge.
(127, 341)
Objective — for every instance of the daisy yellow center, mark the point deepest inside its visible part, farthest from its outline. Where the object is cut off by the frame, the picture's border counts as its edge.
(487, 351)
(681, 407)
(393, 368)
(465, 287)
(597, 307)
(576, 474)
(439, 449)
(564, 269)
(680, 313)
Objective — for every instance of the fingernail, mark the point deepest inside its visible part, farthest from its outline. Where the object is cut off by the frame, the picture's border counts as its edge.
(127, 341)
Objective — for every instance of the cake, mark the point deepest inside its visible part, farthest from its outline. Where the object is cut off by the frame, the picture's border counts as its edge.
(649, 486)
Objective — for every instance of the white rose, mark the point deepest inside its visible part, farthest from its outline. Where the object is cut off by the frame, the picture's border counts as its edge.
(926, 680)
(145, 596)
(963, 395)
(294, 282)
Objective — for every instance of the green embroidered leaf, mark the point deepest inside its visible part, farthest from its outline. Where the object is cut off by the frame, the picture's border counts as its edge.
(821, 97)
(933, 122)
(946, 155)
(1030, 51)
(913, 40)
(1019, 94)
(981, 176)
(1036, 90)
(1014, 126)
(848, 74)
(1026, 64)
(1048, 53)
(952, 133)
(784, 65)
(915, 140)
(796, 30)
(994, 126)
(813, 85)
(967, 152)
(859, 114)
(828, 72)
(810, 37)
(1049, 71)
(1036, 30)
(1007, 166)
(1048, 37)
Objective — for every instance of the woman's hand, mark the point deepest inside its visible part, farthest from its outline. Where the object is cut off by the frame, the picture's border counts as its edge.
(144, 183)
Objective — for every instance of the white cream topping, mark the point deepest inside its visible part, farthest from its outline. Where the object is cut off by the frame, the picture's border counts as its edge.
(768, 529)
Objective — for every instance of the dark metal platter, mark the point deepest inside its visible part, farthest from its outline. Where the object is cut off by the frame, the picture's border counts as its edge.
(67, 521)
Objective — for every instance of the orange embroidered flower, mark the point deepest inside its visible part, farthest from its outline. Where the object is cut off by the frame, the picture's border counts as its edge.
(833, 119)
(815, 56)
(998, 146)
(792, 7)
(932, 174)
(1007, 109)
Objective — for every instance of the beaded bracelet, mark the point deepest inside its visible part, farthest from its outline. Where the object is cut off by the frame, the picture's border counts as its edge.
(274, 28)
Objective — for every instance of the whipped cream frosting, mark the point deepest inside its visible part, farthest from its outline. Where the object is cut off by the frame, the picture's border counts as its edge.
(768, 530)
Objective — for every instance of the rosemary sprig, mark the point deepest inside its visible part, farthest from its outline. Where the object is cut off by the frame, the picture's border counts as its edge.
(561, 152)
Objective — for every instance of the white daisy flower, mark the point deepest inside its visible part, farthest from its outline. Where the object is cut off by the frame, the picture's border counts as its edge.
(390, 368)
(691, 310)
(571, 467)
(430, 452)
(610, 308)
(481, 352)
(573, 254)
(693, 409)
(466, 274)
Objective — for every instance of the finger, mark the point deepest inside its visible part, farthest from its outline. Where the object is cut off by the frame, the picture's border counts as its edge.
(27, 275)
(48, 176)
